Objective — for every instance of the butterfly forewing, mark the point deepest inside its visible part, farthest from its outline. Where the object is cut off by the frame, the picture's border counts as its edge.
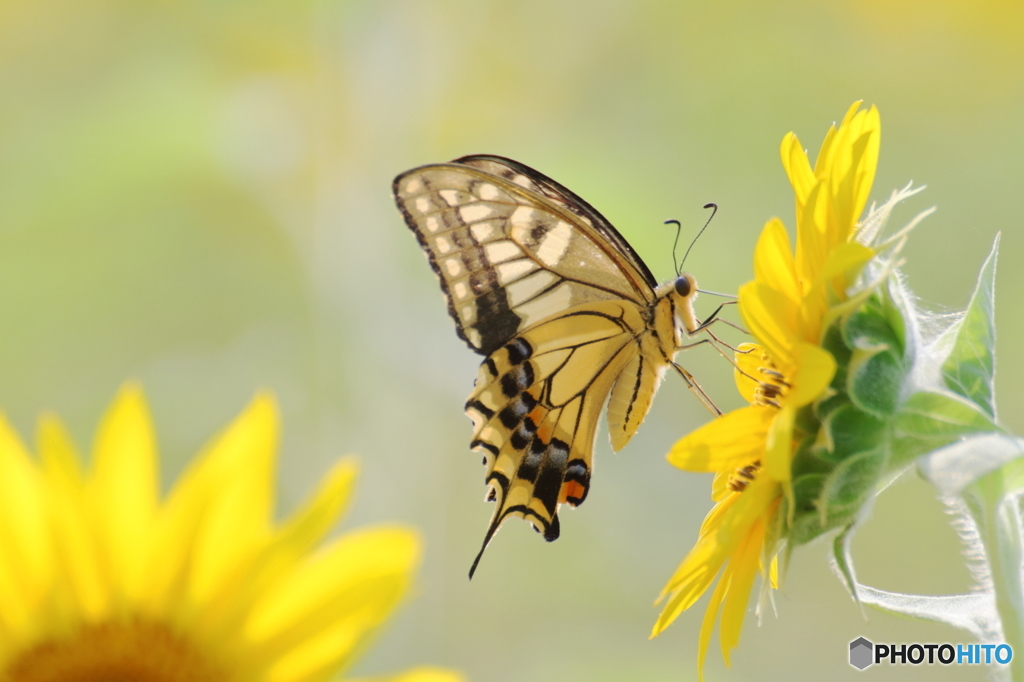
(540, 184)
(507, 256)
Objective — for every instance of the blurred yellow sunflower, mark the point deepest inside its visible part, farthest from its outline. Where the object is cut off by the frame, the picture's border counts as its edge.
(100, 579)
(786, 308)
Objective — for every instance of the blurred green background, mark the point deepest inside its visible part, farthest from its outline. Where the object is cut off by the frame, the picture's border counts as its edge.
(196, 195)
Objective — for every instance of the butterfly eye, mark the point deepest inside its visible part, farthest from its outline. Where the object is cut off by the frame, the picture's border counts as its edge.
(683, 286)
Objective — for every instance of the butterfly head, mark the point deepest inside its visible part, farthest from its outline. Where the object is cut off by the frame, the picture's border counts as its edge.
(685, 286)
(675, 300)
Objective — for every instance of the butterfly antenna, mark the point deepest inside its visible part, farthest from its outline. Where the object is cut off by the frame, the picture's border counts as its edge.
(714, 209)
(679, 228)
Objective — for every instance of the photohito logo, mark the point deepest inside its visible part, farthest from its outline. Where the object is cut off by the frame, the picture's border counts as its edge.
(864, 653)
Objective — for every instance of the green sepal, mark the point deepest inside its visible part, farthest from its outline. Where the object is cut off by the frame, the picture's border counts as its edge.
(969, 370)
(848, 486)
(849, 431)
(870, 326)
(842, 562)
(875, 379)
(876, 371)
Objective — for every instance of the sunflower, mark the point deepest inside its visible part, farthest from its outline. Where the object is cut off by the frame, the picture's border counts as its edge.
(786, 308)
(100, 579)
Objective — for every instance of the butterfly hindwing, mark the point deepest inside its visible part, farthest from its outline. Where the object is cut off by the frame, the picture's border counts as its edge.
(631, 396)
(536, 406)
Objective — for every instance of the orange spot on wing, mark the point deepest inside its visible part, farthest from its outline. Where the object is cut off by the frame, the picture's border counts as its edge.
(544, 429)
(571, 489)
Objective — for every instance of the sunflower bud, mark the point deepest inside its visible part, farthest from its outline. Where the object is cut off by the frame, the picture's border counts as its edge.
(847, 433)
(844, 389)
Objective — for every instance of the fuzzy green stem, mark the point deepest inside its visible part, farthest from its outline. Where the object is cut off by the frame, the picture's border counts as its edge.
(1002, 533)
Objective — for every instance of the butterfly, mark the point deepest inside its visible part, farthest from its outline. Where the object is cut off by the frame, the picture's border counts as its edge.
(567, 315)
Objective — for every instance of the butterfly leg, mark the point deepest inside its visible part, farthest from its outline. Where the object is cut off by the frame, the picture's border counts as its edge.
(715, 341)
(719, 341)
(691, 383)
(713, 318)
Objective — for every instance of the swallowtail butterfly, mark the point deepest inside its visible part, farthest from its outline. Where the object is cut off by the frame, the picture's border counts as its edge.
(566, 314)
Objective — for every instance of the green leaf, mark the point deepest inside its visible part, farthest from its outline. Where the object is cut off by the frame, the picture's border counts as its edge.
(952, 468)
(928, 421)
(975, 613)
(970, 368)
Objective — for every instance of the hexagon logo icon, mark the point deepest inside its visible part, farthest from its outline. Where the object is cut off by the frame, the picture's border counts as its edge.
(861, 653)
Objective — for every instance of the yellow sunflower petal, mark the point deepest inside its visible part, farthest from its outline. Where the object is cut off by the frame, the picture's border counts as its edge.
(853, 171)
(281, 553)
(834, 156)
(847, 164)
(868, 165)
(26, 560)
(239, 495)
(846, 260)
(420, 674)
(815, 370)
(743, 566)
(811, 238)
(60, 458)
(732, 440)
(720, 486)
(698, 569)
(773, 260)
(798, 168)
(707, 625)
(714, 519)
(123, 489)
(823, 163)
(770, 316)
(717, 543)
(174, 532)
(342, 594)
(814, 374)
(310, 523)
(76, 546)
(779, 444)
(747, 373)
(750, 505)
(427, 674)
